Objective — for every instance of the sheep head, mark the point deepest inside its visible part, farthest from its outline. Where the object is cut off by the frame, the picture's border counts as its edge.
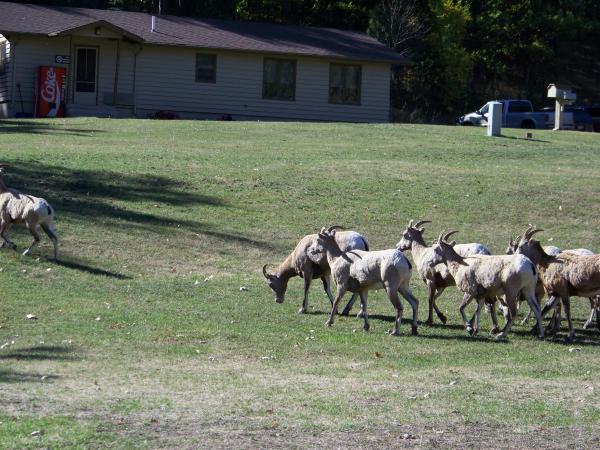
(412, 233)
(277, 284)
(443, 250)
(531, 247)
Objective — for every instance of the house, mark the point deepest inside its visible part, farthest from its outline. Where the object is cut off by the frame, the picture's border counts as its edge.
(129, 64)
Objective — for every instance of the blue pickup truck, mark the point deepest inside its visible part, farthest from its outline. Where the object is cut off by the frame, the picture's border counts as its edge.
(515, 114)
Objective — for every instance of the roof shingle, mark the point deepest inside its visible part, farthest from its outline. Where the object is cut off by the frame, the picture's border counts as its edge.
(200, 33)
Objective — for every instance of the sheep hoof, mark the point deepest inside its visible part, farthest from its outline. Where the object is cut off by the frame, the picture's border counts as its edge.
(569, 339)
(500, 336)
(366, 327)
(470, 330)
(302, 310)
(429, 322)
(443, 319)
(329, 323)
(394, 333)
(586, 325)
(414, 331)
(495, 330)
(345, 313)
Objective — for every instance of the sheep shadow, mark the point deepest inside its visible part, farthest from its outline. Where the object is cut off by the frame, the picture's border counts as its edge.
(92, 270)
(35, 127)
(41, 353)
(11, 376)
(93, 194)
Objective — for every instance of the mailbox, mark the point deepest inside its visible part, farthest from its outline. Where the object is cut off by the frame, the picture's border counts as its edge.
(563, 97)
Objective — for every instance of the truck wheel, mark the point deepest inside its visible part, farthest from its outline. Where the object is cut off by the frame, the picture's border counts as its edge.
(528, 125)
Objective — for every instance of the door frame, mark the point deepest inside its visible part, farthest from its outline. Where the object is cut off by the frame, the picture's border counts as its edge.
(76, 47)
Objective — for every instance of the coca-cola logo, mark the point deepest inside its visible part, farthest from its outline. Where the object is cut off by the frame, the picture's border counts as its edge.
(50, 86)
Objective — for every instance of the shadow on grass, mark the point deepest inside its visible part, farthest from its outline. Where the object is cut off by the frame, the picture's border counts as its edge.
(482, 337)
(93, 270)
(35, 127)
(41, 353)
(91, 194)
(524, 139)
(10, 376)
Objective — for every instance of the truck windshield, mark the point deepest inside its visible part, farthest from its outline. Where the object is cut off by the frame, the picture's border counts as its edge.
(484, 109)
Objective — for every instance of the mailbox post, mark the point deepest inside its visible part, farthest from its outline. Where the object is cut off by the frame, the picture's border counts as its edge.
(494, 126)
(563, 97)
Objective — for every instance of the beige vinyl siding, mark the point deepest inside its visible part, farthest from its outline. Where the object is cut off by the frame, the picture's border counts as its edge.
(31, 52)
(165, 80)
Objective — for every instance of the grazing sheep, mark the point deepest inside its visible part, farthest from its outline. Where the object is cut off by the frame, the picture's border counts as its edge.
(540, 292)
(483, 276)
(16, 207)
(564, 275)
(310, 266)
(360, 271)
(437, 278)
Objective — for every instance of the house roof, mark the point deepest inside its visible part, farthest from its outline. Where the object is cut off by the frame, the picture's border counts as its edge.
(198, 33)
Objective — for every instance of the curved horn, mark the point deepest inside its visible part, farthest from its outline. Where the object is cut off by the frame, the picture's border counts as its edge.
(265, 273)
(531, 230)
(421, 222)
(335, 227)
(441, 236)
(410, 223)
(450, 233)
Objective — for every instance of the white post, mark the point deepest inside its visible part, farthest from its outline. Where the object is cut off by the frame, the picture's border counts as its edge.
(558, 115)
(494, 119)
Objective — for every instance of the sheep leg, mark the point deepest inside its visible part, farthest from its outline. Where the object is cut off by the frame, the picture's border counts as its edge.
(350, 305)
(363, 304)
(491, 308)
(534, 307)
(4, 226)
(414, 304)
(567, 304)
(36, 237)
(439, 313)
(466, 300)
(592, 313)
(477, 314)
(338, 296)
(393, 296)
(511, 313)
(49, 230)
(307, 275)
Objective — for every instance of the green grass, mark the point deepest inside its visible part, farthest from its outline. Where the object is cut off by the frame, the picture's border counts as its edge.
(144, 338)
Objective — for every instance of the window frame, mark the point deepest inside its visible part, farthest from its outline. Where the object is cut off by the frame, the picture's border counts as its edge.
(214, 74)
(264, 80)
(3, 58)
(360, 82)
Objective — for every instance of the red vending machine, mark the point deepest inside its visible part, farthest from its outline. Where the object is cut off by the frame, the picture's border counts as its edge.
(50, 91)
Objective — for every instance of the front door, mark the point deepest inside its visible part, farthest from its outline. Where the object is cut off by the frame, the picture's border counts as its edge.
(86, 75)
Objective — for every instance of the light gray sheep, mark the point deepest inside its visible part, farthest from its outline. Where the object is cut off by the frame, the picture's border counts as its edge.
(360, 271)
(16, 207)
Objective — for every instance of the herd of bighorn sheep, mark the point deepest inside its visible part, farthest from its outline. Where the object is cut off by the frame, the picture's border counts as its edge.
(526, 272)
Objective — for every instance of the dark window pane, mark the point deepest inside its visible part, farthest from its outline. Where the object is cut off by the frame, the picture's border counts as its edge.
(279, 79)
(206, 68)
(345, 84)
(86, 70)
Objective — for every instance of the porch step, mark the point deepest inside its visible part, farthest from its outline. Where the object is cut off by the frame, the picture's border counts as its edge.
(98, 111)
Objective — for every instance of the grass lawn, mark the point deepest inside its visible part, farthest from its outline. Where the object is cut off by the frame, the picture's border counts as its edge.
(144, 339)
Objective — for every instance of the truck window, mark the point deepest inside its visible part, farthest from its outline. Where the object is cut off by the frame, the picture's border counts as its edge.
(519, 107)
(484, 109)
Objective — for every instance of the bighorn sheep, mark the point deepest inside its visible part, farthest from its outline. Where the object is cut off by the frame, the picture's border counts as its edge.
(437, 278)
(553, 251)
(16, 207)
(360, 271)
(310, 266)
(483, 276)
(564, 275)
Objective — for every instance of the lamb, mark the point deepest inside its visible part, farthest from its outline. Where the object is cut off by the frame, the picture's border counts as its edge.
(16, 207)
(483, 276)
(310, 266)
(437, 278)
(553, 251)
(360, 271)
(564, 275)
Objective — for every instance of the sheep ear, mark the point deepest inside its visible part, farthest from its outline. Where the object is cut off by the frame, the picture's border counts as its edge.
(453, 243)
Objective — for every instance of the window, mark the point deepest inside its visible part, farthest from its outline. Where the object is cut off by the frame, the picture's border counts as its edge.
(519, 106)
(85, 80)
(3, 58)
(279, 79)
(344, 84)
(206, 68)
